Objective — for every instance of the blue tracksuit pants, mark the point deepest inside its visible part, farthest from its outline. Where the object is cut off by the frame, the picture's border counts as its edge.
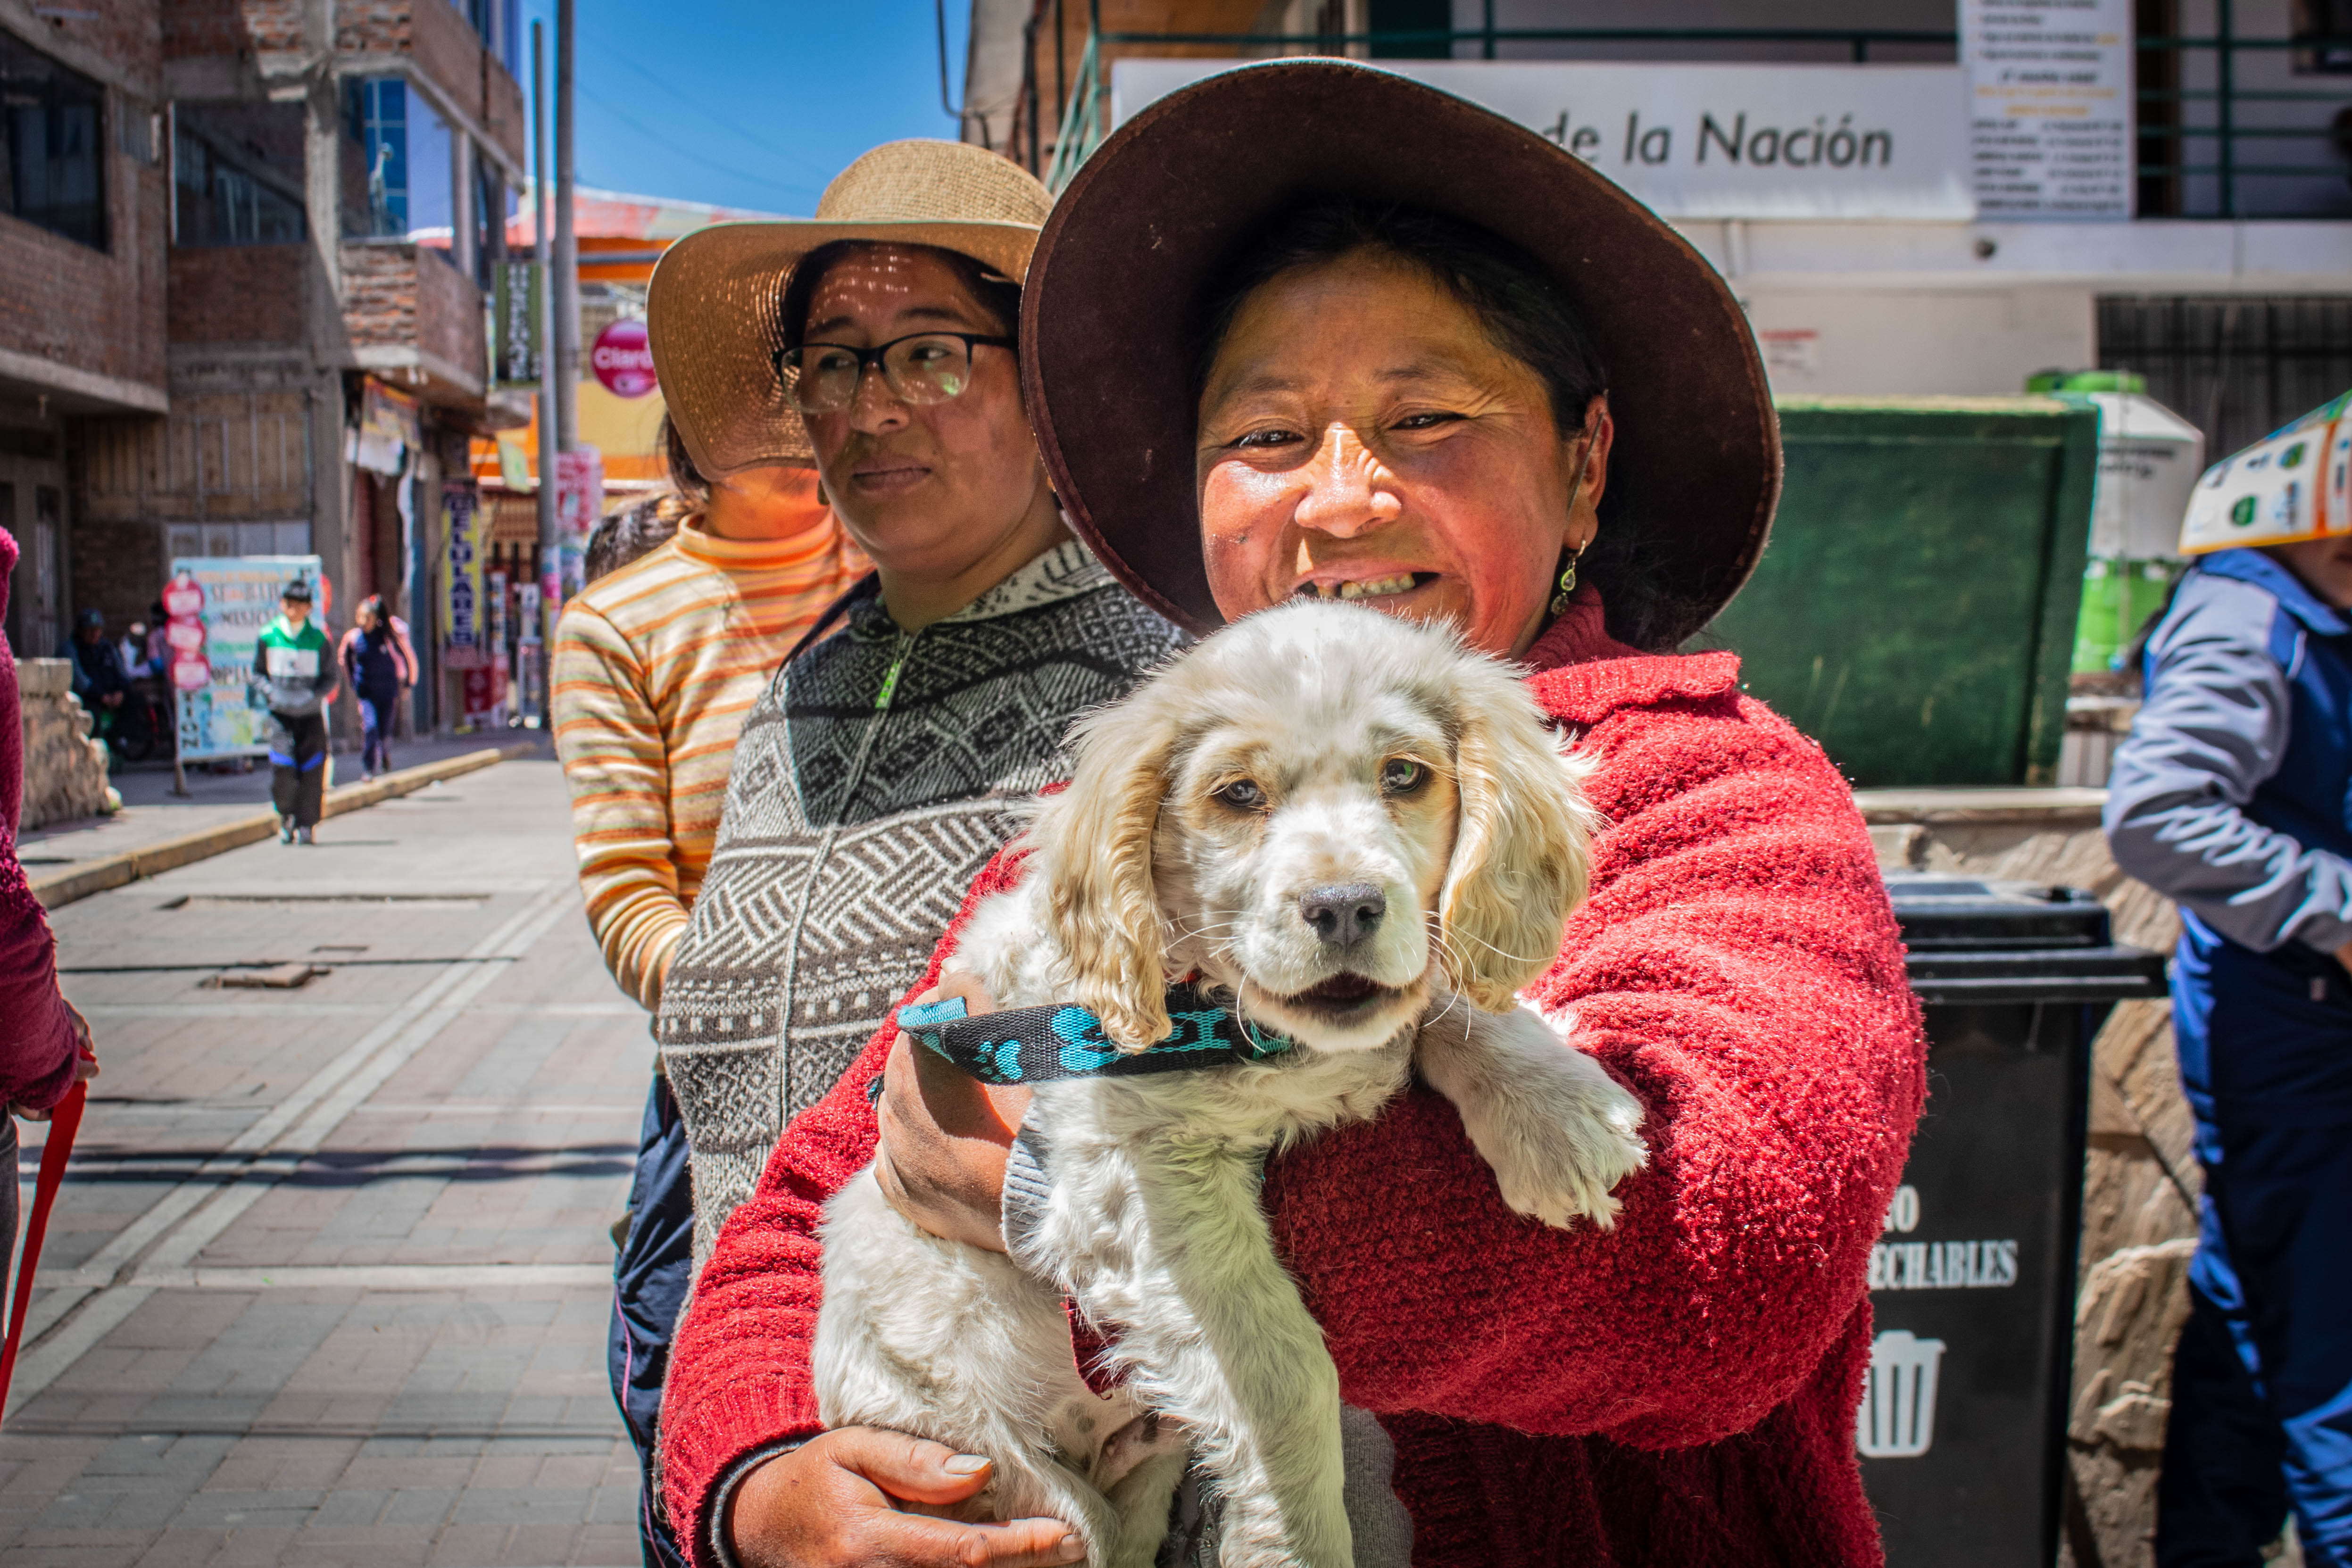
(649, 1284)
(2261, 1382)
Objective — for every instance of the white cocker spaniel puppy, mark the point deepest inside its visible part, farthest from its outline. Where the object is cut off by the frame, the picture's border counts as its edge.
(1356, 836)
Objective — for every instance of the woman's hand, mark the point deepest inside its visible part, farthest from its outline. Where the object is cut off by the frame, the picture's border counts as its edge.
(85, 1064)
(858, 1496)
(945, 1136)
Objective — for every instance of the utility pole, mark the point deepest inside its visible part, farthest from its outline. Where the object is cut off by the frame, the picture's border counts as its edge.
(567, 246)
(537, 632)
(542, 229)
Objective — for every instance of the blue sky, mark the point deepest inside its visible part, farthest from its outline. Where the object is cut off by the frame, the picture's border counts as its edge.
(749, 104)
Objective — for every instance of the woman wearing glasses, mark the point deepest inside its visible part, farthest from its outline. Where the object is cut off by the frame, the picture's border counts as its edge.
(877, 775)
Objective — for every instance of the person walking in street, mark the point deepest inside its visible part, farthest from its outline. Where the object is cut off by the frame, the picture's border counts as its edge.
(376, 664)
(295, 668)
(656, 663)
(893, 753)
(45, 1045)
(1385, 346)
(2232, 795)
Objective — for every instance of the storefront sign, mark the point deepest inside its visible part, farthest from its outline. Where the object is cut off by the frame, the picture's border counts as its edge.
(218, 606)
(1707, 141)
(465, 639)
(514, 323)
(2050, 106)
(622, 360)
(388, 429)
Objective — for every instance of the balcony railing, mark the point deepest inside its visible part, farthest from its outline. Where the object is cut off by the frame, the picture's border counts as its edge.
(2217, 135)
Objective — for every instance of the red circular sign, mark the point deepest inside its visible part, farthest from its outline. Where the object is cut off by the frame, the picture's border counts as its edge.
(622, 361)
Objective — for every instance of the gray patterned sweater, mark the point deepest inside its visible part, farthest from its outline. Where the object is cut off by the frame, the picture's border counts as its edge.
(872, 781)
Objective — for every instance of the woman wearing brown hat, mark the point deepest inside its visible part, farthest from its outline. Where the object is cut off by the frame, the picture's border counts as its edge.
(1313, 328)
(879, 771)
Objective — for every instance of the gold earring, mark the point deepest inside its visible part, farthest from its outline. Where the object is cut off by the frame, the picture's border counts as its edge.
(1566, 582)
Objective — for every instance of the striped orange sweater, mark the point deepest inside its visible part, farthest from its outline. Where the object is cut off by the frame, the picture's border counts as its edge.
(655, 667)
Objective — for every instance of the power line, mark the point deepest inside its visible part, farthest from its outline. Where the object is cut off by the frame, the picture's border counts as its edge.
(688, 153)
(754, 138)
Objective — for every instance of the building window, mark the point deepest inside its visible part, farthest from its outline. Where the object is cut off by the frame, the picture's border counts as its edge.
(498, 24)
(50, 170)
(2329, 24)
(396, 163)
(237, 170)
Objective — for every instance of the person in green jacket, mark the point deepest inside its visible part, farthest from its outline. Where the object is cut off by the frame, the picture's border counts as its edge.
(296, 667)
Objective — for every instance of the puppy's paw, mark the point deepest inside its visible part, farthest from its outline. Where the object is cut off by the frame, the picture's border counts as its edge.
(1559, 1131)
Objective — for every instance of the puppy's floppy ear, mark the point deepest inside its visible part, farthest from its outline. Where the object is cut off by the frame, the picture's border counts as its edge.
(1095, 838)
(1519, 864)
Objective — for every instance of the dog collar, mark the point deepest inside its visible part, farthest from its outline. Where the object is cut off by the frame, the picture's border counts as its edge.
(1039, 1045)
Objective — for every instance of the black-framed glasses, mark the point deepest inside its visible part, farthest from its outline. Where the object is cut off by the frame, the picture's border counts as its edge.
(922, 367)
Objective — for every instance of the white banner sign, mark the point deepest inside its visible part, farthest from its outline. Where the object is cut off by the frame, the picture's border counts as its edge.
(1706, 140)
(2050, 106)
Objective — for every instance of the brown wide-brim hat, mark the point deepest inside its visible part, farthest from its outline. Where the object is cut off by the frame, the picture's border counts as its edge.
(1115, 287)
(714, 309)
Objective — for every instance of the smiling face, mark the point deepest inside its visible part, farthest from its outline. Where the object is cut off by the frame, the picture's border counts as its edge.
(1361, 436)
(928, 490)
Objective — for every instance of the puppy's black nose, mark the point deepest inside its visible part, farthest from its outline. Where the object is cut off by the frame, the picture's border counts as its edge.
(1343, 913)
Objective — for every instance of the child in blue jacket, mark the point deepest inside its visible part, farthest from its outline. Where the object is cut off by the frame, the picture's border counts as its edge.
(2230, 796)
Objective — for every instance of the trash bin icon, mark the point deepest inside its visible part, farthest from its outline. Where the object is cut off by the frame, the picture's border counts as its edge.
(1898, 1400)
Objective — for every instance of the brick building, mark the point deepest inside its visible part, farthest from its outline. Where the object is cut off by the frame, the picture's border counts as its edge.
(247, 225)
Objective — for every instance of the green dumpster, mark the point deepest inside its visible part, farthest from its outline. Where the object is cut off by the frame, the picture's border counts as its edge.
(1915, 612)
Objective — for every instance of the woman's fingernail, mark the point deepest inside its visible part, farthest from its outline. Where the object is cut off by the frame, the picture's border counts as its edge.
(1070, 1549)
(965, 1465)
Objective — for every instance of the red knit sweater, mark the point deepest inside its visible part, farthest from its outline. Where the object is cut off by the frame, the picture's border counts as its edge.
(1679, 1391)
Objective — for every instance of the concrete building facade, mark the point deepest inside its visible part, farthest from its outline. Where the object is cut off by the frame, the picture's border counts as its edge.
(296, 206)
(2229, 285)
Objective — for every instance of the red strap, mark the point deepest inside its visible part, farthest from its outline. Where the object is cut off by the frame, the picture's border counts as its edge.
(64, 1123)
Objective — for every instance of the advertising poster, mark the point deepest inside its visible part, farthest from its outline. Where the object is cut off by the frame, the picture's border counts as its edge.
(1709, 141)
(514, 323)
(579, 491)
(465, 633)
(218, 607)
(2050, 106)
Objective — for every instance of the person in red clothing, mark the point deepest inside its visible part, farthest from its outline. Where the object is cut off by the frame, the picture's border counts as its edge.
(1426, 358)
(44, 1042)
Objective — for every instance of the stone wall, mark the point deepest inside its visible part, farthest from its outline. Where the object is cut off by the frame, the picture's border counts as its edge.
(2140, 1178)
(65, 769)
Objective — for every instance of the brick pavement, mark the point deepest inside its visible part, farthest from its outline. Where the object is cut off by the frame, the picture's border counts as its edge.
(190, 1414)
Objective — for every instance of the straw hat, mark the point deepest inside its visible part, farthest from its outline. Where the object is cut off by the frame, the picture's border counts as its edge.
(713, 310)
(1110, 310)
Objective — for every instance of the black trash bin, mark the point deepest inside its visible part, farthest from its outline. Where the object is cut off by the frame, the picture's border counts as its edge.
(1962, 1426)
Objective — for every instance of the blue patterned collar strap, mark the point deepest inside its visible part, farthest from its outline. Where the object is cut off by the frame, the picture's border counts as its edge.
(1038, 1045)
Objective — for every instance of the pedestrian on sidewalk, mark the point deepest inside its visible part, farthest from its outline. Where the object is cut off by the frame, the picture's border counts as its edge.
(886, 762)
(99, 678)
(655, 665)
(297, 672)
(45, 1046)
(2231, 797)
(376, 664)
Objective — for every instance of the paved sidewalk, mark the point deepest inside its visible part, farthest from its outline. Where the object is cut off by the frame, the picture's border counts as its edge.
(150, 813)
(329, 1281)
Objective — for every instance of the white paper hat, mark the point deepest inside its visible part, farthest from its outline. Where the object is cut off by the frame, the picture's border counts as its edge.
(2292, 486)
